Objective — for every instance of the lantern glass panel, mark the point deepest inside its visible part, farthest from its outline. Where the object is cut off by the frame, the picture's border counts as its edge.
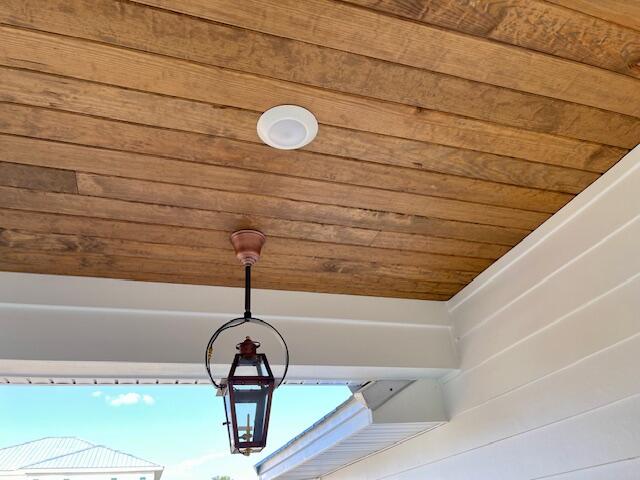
(250, 386)
(229, 414)
(251, 402)
(251, 367)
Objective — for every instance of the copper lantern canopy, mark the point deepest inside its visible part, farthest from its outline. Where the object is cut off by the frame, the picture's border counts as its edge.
(249, 386)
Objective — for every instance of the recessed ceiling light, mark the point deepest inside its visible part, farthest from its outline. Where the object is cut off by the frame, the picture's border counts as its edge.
(287, 127)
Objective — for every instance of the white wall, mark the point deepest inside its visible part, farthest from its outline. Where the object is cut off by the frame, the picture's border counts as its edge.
(549, 345)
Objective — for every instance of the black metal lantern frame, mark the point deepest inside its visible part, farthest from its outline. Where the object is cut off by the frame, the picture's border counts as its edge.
(250, 394)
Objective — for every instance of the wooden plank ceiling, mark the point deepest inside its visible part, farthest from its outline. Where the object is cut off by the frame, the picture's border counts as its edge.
(449, 130)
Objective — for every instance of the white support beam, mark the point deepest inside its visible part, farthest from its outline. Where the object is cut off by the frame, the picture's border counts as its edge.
(59, 327)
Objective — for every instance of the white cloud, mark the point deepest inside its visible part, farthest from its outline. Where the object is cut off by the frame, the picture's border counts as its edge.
(97, 393)
(131, 398)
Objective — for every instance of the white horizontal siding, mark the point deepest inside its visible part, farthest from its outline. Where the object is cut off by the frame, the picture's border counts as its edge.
(611, 432)
(549, 342)
(604, 268)
(555, 346)
(626, 469)
(602, 208)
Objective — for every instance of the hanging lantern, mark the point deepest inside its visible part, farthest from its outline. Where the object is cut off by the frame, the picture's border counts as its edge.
(249, 386)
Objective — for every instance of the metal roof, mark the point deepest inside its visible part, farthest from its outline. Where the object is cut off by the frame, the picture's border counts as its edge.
(19, 456)
(67, 453)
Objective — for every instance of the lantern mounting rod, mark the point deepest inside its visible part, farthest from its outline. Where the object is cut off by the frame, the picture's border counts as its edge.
(247, 291)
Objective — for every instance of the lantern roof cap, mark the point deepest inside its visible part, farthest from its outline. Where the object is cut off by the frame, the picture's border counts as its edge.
(248, 348)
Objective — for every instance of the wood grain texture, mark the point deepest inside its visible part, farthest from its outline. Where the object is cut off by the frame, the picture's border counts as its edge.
(622, 12)
(179, 114)
(136, 26)
(532, 24)
(122, 164)
(358, 30)
(104, 64)
(57, 243)
(196, 218)
(37, 178)
(449, 130)
(40, 222)
(205, 199)
(338, 171)
(149, 270)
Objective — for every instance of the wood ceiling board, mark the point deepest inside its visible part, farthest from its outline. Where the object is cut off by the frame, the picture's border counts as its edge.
(37, 178)
(358, 30)
(532, 24)
(177, 78)
(421, 243)
(198, 269)
(129, 268)
(128, 146)
(622, 12)
(138, 27)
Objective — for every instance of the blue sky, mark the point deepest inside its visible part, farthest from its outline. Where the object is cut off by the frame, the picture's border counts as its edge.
(179, 427)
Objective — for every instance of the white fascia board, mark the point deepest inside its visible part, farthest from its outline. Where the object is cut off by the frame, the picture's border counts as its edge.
(77, 334)
(223, 303)
(54, 319)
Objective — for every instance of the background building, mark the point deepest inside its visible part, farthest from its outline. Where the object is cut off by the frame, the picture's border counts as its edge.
(58, 458)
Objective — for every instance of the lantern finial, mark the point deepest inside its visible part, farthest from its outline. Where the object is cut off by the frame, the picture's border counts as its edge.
(248, 348)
